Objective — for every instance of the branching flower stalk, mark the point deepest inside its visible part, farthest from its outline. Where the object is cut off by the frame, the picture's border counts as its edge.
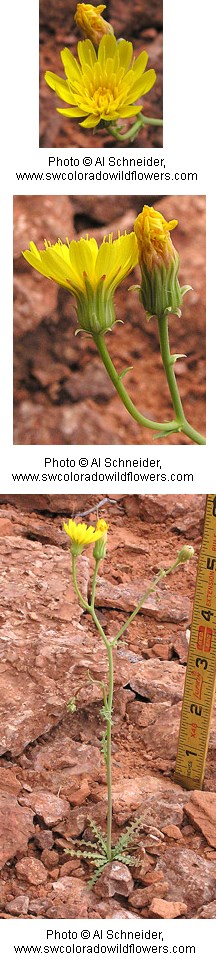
(103, 851)
(92, 273)
(106, 80)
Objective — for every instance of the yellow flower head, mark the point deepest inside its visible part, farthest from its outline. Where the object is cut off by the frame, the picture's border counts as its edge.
(159, 261)
(80, 535)
(90, 272)
(102, 85)
(153, 237)
(89, 20)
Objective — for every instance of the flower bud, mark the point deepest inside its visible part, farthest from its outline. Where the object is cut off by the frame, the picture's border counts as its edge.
(159, 261)
(99, 550)
(90, 22)
(185, 554)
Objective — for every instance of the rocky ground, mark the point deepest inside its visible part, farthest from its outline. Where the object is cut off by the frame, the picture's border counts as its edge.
(62, 394)
(141, 24)
(52, 778)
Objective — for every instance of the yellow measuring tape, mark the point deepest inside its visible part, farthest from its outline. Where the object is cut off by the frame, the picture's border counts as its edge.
(200, 672)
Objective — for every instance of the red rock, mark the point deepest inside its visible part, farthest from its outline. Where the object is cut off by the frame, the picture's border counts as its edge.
(158, 683)
(50, 808)
(153, 877)
(181, 647)
(16, 828)
(79, 817)
(208, 911)
(156, 799)
(67, 755)
(171, 830)
(70, 867)
(50, 858)
(140, 897)
(156, 735)
(31, 870)
(143, 714)
(167, 909)
(54, 874)
(191, 877)
(70, 898)
(19, 906)
(163, 650)
(34, 680)
(63, 886)
(8, 781)
(162, 606)
(201, 810)
(111, 909)
(76, 796)
(38, 906)
(115, 879)
(145, 862)
(43, 838)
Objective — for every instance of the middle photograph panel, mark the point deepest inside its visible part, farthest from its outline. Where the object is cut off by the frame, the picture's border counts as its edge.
(109, 319)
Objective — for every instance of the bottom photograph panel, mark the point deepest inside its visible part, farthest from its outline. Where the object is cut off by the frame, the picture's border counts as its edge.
(107, 735)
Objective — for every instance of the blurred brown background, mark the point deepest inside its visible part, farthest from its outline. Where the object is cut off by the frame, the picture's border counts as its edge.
(137, 21)
(62, 394)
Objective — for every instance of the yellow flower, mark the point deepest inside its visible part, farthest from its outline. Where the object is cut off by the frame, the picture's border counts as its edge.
(159, 261)
(105, 84)
(89, 272)
(80, 535)
(153, 237)
(89, 20)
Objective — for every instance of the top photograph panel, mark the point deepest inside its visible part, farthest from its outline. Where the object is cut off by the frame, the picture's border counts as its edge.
(101, 74)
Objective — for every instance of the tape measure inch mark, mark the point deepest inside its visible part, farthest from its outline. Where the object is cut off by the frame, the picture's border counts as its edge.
(200, 673)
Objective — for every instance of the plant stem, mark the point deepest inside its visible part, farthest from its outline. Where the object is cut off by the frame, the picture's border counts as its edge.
(75, 583)
(169, 427)
(94, 583)
(168, 363)
(163, 572)
(90, 608)
(108, 699)
(130, 135)
(174, 426)
(109, 752)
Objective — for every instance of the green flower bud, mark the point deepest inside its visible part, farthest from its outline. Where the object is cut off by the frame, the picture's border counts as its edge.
(186, 553)
(99, 550)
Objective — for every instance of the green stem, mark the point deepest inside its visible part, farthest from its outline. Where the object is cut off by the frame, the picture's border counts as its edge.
(109, 752)
(130, 135)
(161, 574)
(75, 583)
(94, 582)
(90, 608)
(168, 363)
(108, 730)
(173, 426)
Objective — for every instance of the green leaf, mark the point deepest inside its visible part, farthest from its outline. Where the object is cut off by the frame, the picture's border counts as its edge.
(123, 372)
(167, 433)
(71, 705)
(177, 356)
(98, 834)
